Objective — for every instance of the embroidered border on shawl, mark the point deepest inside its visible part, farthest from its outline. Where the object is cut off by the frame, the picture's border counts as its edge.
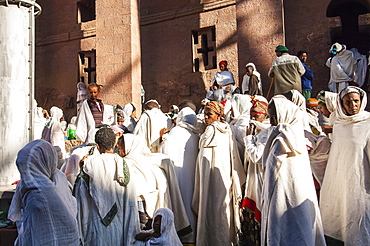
(110, 215)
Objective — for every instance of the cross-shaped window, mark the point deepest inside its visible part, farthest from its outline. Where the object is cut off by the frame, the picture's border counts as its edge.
(204, 49)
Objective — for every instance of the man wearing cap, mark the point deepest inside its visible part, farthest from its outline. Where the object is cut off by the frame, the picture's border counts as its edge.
(286, 70)
(341, 66)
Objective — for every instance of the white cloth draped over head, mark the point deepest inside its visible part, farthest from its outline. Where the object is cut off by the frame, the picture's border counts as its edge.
(299, 100)
(217, 191)
(129, 122)
(81, 91)
(345, 200)
(187, 119)
(181, 145)
(342, 117)
(54, 132)
(155, 179)
(43, 205)
(341, 69)
(331, 105)
(224, 78)
(290, 214)
(241, 105)
(149, 126)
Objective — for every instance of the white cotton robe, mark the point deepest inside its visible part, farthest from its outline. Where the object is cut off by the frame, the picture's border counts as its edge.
(101, 198)
(43, 206)
(290, 213)
(181, 145)
(217, 192)
(149, 126)
(155, 180)
(345, 193)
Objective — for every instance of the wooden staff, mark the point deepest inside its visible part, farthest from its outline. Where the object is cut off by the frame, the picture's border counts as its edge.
(271, 84)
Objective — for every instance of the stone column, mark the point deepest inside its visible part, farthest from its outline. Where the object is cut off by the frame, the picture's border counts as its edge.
(260, 30)
(118, 58)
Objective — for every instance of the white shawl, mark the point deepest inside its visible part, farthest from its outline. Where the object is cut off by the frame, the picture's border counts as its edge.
(290, 214)
(345, 199)
(168, 232)
(181, 145)
(53, 132)
(218, 178)
(43, 206)
(241, 105)
(149, 126)
(155, 179)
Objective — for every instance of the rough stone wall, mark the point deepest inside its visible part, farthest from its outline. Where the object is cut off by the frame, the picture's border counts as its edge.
(308, 28)
(260, 30)
(58, 42)
(167, 62)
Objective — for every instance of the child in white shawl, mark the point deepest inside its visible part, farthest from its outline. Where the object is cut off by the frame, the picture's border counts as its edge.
(163, 232)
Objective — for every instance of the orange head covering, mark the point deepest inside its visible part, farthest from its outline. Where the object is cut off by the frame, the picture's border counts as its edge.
(312, 102)
(216, 107)
(259, 107)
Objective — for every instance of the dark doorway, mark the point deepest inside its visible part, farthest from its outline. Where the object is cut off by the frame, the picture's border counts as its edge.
(350, 33)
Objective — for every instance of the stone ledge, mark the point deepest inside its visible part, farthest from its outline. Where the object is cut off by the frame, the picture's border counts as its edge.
(177, 13)
(83, 30)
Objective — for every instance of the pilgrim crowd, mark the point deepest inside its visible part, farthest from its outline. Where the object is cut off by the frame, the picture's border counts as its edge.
(241, 170)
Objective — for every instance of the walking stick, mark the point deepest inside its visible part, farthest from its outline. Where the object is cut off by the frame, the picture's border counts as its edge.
(271, 84)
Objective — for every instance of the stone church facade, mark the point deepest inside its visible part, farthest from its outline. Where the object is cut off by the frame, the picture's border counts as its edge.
(172, 48)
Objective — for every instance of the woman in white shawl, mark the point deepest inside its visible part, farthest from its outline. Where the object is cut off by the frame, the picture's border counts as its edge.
(155, 179)
(163, 232)
(345, 199)
(218, 178)
(43, 206)
(181, 145)
(290, 213)
(240, 105)
(53, 132)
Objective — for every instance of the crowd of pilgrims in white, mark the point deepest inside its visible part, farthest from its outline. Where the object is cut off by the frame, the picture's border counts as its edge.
(241, 170)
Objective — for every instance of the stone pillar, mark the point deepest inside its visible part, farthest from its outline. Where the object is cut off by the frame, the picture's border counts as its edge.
(260, 30)
(118, 58)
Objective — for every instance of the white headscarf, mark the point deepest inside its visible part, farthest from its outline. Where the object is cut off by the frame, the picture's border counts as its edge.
(241, 105)
(290, 126)
(53, 220)
(187, 119)
(342, 117)
(168, 232)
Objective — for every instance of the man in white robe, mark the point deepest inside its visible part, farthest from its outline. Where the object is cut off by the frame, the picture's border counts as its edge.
(181, 145)
(345, 199)
(151, 122)
(290, 213)
(106, 199)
